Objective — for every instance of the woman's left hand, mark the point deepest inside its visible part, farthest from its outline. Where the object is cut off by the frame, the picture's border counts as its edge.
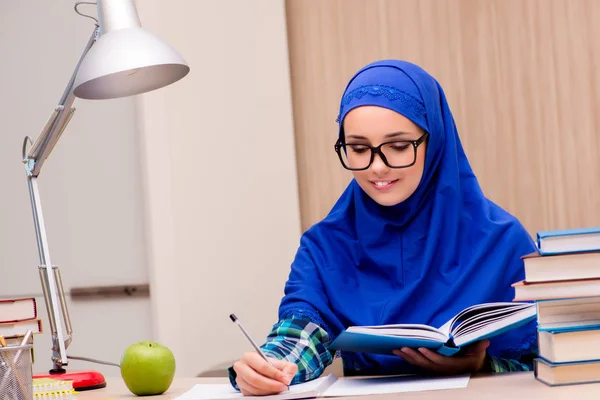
(471, 361)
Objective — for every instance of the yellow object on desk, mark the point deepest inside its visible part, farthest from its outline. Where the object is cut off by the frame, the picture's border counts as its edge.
(50, 389)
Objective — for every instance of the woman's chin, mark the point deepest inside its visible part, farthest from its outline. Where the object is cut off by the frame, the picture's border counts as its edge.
(388, 199)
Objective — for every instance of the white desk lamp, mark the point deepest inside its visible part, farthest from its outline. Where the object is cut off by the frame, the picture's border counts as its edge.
(121, 59)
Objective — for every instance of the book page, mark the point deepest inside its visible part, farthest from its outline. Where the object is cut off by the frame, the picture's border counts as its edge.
(403, 332)
(394, 384)
(496, 326)
(482, 312)
(476, 321)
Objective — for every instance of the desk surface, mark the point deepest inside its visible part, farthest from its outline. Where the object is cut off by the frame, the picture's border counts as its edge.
(507, 386)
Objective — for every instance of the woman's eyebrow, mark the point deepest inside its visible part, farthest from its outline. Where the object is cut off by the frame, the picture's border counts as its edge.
(396, 134)
(387, 136)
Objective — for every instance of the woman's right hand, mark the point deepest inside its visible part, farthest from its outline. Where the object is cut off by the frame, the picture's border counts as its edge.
(255, 377)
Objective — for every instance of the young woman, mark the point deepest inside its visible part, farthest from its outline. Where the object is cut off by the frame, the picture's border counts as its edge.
(411, 240)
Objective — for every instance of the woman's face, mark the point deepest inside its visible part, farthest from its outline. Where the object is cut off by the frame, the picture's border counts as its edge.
(371, 125)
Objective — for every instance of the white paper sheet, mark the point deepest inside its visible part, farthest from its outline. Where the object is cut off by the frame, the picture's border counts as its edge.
(223, 391)
(210, 391)
(398, 384)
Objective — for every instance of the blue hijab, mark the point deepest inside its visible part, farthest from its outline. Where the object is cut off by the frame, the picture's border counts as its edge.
(422, 261)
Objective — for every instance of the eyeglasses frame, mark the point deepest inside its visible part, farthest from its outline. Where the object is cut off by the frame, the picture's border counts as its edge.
(377, 150)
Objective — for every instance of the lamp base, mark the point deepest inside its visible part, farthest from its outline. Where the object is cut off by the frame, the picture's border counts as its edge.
(82, 380)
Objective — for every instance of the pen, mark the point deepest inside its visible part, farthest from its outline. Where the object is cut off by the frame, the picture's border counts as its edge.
(26, 337)
(258, 350)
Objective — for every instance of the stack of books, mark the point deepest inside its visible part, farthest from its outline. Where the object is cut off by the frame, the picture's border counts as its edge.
(563, 278)
(17, 316)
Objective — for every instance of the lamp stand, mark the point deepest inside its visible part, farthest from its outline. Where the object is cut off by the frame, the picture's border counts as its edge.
(52, 286)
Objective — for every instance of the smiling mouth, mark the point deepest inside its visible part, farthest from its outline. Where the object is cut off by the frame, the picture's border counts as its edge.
(383, 185)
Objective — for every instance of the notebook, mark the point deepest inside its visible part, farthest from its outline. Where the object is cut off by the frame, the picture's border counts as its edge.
(472, 324)
(331, 386)
(310, 389)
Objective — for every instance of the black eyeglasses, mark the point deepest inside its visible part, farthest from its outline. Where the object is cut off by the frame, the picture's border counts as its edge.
(394, 154)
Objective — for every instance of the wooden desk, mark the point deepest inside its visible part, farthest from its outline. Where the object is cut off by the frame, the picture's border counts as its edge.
(507, 386)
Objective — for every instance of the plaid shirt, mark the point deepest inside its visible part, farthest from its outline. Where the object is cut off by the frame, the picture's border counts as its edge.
(304, 343)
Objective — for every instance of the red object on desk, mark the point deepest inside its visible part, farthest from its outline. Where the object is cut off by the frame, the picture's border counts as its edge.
(82, 380)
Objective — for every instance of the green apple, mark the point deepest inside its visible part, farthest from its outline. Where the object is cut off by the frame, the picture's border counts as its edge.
(147, 368)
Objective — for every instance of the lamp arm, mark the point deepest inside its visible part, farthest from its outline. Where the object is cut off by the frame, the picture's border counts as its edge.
(49, 274)
(60, 117)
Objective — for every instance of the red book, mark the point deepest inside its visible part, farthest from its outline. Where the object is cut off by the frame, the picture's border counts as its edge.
(21, 309)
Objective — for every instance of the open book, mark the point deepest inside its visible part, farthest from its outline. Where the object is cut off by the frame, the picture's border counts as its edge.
(474, 323)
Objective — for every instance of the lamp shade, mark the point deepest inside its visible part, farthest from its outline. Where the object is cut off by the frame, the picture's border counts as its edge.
(126, 62)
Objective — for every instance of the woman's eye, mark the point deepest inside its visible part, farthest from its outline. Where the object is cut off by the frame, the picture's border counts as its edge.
(358, 149)
(400, 146)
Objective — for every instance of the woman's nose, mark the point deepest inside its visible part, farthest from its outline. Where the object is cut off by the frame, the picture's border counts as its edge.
(378, 165)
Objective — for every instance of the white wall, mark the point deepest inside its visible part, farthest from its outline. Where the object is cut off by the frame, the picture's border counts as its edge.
(90, 185)
(223, 217)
